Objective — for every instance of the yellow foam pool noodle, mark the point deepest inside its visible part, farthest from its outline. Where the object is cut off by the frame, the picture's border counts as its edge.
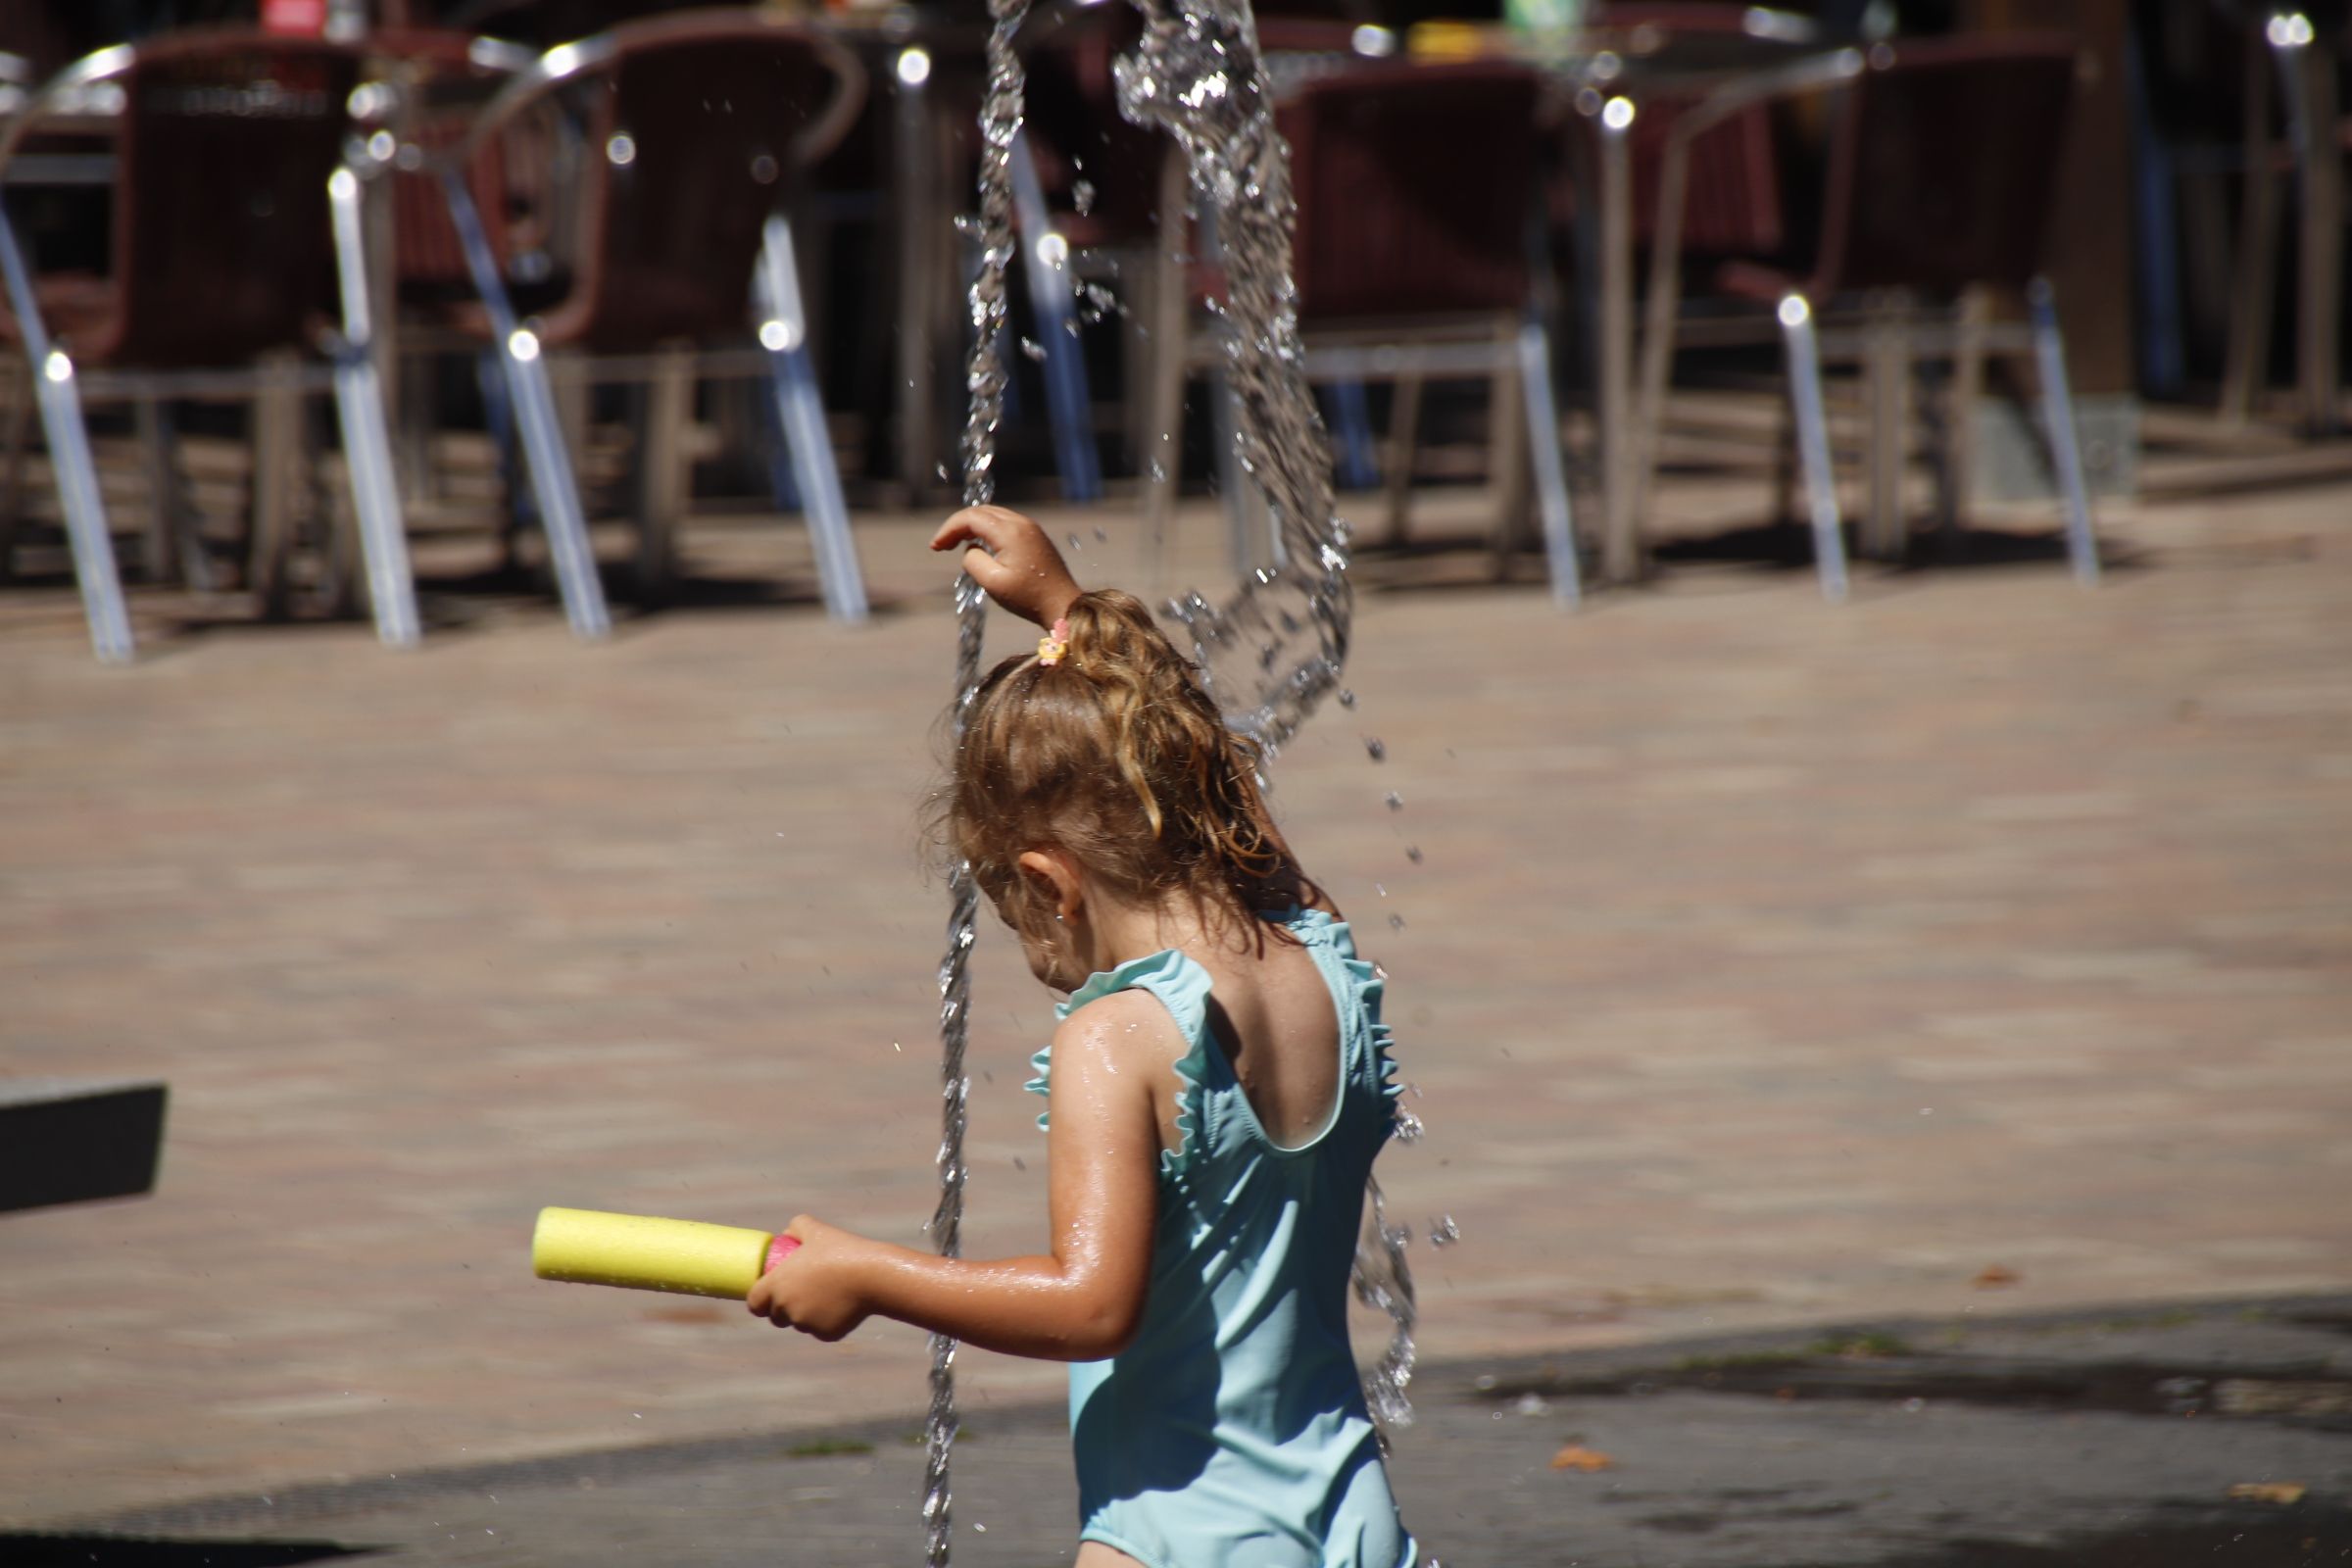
(642, 1253)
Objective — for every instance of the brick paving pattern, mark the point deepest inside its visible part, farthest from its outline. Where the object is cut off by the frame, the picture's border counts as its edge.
(1761, 964)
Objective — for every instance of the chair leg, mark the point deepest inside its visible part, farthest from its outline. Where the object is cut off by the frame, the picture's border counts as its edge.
(801, 411)
(1045, 263)
(2307, 71)
(1404, 424)
(160, 549)
(366, 436)
(1962, 393)
(663, 473)
(1506, 438)
(1352, 432)
(524, 373)
(12, 462)
(60, 396)
(1247, 514)
(1171, 294)
(521, 510)
(2249, 344)
(277, 455)
(1813, 443)
(1552, 473)
(2058, 415)
(1889, 360)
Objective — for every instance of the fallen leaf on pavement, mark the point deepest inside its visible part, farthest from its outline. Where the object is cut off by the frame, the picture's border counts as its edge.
(2254, 1491)
(1576, 1456)
(1994, 1278)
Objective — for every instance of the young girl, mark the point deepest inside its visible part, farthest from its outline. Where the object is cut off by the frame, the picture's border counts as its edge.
(1216, 1090)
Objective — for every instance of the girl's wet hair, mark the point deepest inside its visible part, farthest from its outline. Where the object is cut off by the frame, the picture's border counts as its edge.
(1115, 755)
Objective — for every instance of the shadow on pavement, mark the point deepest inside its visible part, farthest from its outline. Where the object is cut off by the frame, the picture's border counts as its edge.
(44, 1550)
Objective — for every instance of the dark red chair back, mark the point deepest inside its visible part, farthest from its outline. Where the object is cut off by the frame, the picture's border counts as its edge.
(1413, 184)
(721, 112)
(442, 84)
(1942, 161)
(1733, 204)
(1076, 132)
(223, 246)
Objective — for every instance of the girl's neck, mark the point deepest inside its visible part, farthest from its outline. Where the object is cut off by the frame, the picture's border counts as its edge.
(1119, 933)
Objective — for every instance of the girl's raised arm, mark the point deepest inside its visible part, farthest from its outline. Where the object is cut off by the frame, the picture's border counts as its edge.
(1010, 557)
(1082, 1302)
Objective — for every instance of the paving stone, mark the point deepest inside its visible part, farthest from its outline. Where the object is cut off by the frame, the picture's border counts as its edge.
(1718, 889)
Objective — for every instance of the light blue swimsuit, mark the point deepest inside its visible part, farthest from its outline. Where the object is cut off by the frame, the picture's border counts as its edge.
(1232, 1432)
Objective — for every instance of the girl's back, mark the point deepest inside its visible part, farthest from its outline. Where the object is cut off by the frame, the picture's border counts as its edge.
(1273, 1015)
(1233, 1427)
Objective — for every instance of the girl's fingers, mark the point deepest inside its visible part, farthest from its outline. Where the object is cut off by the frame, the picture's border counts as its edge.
(990, 525)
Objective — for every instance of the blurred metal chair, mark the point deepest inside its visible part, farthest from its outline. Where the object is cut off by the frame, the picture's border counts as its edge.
(694, 125)
(1412, 262)
(1083, 194)
(1937, 187)
(233, 220)
(2304, 45)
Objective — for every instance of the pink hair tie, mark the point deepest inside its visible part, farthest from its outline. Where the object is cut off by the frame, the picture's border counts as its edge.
(1055, 643)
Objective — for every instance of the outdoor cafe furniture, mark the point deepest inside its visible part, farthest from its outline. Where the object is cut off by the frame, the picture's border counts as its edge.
(1937, 187)
(695, 127)
(1410, 261)
(235, 220)
(2304, 47)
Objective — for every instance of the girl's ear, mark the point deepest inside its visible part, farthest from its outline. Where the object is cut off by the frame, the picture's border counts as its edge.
(1053, 876)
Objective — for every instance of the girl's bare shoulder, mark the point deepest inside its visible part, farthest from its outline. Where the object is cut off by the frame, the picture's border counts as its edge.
(1115, 1030)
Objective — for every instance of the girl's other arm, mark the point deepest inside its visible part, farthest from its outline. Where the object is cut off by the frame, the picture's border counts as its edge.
(1080, 1302)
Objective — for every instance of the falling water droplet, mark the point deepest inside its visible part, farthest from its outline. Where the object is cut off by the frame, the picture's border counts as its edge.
(1412, 852)
(1395, 802)
(1408, 1126)
(1347, 698)
(1376, 749)
(1034, 349)
(1443, 1232)
(1395, 922)
(1082, 196)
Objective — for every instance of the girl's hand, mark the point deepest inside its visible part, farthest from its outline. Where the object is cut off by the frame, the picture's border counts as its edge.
(1009, 555)
(815, 1288)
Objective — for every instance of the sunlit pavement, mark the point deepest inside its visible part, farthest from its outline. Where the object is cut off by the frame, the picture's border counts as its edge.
(1982, 946)
(2176, 1436)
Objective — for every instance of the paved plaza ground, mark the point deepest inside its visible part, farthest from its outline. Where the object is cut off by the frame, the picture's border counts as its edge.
(1981, 948)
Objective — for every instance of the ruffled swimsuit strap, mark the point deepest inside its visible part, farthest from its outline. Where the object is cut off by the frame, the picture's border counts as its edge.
(1182, 987)
(1357, 985)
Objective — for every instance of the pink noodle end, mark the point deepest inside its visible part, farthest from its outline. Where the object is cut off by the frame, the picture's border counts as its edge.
(782, 1247)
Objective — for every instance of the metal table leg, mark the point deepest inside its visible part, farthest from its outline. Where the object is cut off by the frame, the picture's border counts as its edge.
(366, 442)
(2308, 73)
(1046, 263)
(1620, 547)
(1813, 443)
(70, 456)
(914, 196)
(801, 411)
(526, 377)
